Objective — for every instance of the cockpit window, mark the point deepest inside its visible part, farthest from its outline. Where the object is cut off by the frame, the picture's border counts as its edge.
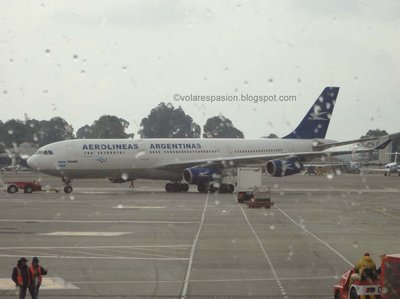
(47, 152)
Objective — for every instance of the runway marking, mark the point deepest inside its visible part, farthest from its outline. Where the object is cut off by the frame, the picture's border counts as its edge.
(48, 283)
(137, 207)
(209, 280)
(315, 237)
(371, 200)
(160, 252)
(102, 257)
(268, 259)
(358, 191)
(196, 238)
(99, 247)
(95, 221)
(383, 212)
(86, 234)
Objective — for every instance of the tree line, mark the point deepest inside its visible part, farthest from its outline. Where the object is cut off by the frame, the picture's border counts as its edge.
(164, 121)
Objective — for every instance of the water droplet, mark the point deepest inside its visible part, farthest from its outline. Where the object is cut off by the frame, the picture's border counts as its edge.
(120, 206)
(11, 132)
(124, 68)
(124, 176)
(75, 57)
(329, 176)
(272, 227)
(47, 51)
(270, 80)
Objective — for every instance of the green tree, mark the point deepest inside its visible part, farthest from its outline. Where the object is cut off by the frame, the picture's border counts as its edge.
(85, 132)
(221, 127)
(107, 126)
(373, 133)
(164, 121)
(55, 129)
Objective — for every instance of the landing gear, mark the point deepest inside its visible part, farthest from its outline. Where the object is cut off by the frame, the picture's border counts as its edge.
(67, 188)
(212, 188)
(176, 187)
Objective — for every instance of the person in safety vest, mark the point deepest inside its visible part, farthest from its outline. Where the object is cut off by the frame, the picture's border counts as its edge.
(35, 277)
(366, 267)
(20, 277)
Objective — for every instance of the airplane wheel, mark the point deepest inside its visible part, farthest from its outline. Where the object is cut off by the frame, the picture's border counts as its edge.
(12, 189)
(68, 189)
(230, 188)
(213, 189)
(184, 187)
(176, 187)
(168, 187)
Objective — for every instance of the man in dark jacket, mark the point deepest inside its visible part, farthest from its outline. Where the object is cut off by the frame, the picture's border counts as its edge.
(20, 277)
(35, 277)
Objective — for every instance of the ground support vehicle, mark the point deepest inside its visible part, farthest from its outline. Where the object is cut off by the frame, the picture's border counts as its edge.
(26, 187)
(261, 198)
(382, 284)
(248, 179)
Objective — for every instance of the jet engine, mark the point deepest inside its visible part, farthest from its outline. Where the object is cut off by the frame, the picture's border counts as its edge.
(282, 167)
(200, 175)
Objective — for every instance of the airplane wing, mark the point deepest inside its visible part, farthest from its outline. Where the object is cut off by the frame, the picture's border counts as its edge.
(323, 146)
(259, 160)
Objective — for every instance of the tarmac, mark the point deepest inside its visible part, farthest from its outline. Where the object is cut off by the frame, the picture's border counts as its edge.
(105, 240)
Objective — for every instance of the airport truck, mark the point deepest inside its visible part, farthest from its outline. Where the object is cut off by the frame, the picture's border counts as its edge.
(385, 284)
(248, 179)
(250, 188)
(27, 187)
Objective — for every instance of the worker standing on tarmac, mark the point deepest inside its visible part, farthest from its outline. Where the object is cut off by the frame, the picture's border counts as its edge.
(35, 277)
(20, 277)
(366, 266)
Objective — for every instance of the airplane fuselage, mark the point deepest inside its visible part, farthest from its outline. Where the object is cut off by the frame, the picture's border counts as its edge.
(133, 159)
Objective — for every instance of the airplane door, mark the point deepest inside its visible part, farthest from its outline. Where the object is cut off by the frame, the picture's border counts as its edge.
(72, 153)
(143, 154)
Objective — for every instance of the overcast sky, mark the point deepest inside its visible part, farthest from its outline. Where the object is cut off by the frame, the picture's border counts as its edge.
(83, 59)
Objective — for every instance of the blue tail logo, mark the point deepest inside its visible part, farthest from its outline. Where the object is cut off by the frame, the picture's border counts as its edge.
(315, 123)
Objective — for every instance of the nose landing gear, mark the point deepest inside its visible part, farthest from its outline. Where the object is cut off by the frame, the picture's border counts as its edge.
(67, 188)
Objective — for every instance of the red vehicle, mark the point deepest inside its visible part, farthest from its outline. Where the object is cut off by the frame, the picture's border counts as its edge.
(27, 187)
(385, 286)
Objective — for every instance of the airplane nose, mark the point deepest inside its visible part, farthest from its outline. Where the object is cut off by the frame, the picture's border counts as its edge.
(32, 162)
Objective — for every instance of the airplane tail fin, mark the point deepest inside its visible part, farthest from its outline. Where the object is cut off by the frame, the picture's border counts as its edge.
(316, 122)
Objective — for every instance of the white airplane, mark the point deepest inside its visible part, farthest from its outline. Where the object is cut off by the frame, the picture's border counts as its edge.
(393, 167)
(202, 162)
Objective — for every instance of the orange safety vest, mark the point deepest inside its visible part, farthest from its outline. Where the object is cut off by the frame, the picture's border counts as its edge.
(20, 279)
(38, 270)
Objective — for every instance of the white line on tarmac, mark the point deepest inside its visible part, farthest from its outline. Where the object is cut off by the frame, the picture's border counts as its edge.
(94, 221)
(208, 280)
(137, 207)
(381, 211)
(276, 278)
(100, 247)
(196, 238)
(86, 234)
(315, 237)
(359, 191)
(101, 257)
